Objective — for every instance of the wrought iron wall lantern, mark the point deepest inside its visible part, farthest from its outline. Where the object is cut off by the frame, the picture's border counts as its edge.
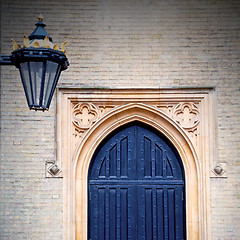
(40, 63)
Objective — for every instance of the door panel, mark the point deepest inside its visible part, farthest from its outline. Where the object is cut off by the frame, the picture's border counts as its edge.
(136, 187)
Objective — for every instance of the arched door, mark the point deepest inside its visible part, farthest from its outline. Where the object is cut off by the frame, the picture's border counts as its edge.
(136, 187)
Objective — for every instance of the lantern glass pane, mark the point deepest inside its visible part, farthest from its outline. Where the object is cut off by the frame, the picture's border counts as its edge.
(26, 82)
(51, 78)
(36, 70)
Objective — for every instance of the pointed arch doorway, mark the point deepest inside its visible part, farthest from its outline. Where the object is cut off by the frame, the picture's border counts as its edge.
(164, 110)
(136, 187)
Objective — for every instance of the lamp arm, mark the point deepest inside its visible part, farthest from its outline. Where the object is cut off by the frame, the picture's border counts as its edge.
(6, 60)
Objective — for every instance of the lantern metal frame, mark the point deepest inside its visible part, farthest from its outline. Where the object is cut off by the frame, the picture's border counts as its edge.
(41, 55)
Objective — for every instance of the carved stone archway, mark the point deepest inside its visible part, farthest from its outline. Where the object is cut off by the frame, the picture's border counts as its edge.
(86, 117)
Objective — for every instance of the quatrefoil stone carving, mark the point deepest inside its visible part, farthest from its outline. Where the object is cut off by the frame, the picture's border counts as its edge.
(84, 116)
(187, 115)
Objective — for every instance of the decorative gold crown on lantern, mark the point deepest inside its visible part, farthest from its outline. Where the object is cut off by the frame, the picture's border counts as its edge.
(39, 39)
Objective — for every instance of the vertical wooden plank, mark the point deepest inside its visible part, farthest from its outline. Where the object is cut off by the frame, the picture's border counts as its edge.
(148, 214)
(154, 218)
(94, 212)
(102, 171)
(165, 202)
(179, 215)
(171, 214)
(139, 153)
(113, 161)
(118, 213)
(107, 154)
(158, 161)
(107, 213)
(160, 213)
(141, 213)
(101, 213)
(169, 169)
(132, 212)
(112, 213)
(124, 157)
(164, 164)
(124, 214)
(147, 158)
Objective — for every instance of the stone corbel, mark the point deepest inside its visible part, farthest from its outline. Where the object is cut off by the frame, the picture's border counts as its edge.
(52, 170)
(219, 171)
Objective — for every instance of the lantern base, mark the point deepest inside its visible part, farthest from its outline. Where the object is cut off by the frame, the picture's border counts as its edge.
(38, 108)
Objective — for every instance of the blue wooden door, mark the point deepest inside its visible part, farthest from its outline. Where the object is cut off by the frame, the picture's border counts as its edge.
(136, 187)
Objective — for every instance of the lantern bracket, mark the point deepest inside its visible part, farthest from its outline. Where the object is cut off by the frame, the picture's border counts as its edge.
(6, 60)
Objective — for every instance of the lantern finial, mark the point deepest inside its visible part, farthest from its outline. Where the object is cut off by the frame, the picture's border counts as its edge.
(40, 17)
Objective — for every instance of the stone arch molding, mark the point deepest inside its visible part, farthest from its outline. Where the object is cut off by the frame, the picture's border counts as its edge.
(106, 110)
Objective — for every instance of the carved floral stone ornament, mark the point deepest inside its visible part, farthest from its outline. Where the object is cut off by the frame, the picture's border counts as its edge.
(40, 63)
(187, 115)
(84, 116)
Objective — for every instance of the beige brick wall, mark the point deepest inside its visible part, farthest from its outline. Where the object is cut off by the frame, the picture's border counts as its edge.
(112, 43)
